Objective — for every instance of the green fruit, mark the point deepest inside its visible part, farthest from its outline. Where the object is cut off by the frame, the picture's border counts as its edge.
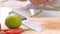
(13, 21)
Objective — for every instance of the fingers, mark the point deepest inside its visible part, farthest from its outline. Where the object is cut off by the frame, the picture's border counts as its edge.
(38, 2)
(41, 1)
(35, 2)
(47, 1)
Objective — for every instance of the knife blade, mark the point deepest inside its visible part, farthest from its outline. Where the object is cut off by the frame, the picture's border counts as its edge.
(28, 23)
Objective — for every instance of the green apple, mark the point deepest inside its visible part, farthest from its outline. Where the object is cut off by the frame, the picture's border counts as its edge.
(13, 21)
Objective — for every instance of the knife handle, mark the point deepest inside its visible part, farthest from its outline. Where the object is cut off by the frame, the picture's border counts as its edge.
(22, 17)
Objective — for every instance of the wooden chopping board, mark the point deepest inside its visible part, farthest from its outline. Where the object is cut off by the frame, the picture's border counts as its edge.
(49, 25)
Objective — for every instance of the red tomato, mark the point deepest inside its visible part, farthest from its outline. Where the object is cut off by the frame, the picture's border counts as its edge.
(13, 31)
(0, 27)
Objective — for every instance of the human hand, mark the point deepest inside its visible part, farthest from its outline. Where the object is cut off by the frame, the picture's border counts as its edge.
(38, 2)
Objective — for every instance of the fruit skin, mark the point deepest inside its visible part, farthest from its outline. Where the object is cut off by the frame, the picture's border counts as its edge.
(13, 21)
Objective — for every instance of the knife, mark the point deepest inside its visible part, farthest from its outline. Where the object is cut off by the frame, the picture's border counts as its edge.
(28, 23)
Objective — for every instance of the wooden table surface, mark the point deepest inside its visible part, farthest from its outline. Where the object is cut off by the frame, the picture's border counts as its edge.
(49, 25)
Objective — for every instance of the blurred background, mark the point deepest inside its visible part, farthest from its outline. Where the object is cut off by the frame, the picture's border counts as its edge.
(23, 7)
